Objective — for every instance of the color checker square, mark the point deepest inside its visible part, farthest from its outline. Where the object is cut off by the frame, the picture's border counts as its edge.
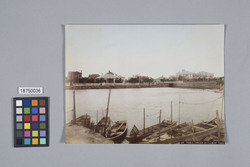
(19, 126)
(31, 121)
(34, 125)
(26, 118)
(42, 110)
(27, 141)
(42, 133)
(19, 103)
(42, 140)
(26, 103)
(19, 118)
(26, 110)
(34, 110)
(42, 118)
(19, 134)
(19, 110)
(34, 141)
(26, 125)
(42, 125)
(34, 102)
(34, 133)
(42, 102)
(27, 133)
(19, 141)
(34, 118)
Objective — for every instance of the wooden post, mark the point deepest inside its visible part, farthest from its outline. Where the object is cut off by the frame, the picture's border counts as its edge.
(159, 125)
(97, 117)
(179, 110)
(86, 120)
(144, 120)
(74, 108)
(171, 113)
(107, 113)
(193, 129)
(171, 122)
(218, 124)
(222, 105)
(171, 133)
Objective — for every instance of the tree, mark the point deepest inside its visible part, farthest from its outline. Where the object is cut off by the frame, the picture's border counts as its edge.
(133, 80)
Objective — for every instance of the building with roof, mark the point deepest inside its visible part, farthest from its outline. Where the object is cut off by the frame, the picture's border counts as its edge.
(111, 77)
(74, 76)
(186, 75)
(204, 74)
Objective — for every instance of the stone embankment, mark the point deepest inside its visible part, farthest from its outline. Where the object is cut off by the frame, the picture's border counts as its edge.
(178, 84)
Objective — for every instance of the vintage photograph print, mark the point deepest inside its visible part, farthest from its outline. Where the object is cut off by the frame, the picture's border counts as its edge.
(144, 84)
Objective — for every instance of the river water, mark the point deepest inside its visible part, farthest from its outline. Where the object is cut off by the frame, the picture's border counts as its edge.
(128, 104)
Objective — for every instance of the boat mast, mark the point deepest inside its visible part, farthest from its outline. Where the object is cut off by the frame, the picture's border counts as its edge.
(107, 112)
(159, 125)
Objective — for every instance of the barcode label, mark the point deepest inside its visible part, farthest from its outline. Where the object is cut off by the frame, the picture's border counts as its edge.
(30, 90)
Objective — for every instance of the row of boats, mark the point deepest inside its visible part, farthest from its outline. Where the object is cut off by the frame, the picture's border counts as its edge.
(167, 132)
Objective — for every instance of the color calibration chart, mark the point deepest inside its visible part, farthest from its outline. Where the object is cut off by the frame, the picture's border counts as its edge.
(31, 122)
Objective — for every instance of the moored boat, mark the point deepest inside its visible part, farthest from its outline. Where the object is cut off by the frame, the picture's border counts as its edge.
(118, 131)
(137, 135)
(100, 127)
(186, 133)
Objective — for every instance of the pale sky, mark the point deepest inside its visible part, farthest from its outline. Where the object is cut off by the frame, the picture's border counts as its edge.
(150, 50)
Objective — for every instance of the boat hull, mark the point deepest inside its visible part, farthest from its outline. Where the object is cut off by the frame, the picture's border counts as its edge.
(202, 130)
(121, 133)
(148, 131)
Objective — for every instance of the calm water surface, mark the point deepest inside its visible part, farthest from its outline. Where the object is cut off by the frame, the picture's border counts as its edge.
(127, 104)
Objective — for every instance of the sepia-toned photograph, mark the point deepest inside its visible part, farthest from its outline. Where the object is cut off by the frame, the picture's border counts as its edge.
(144, 84)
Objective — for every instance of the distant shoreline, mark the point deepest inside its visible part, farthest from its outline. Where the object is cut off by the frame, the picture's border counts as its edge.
(193, 85)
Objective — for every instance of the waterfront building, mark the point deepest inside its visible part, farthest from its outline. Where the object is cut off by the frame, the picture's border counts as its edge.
(206, 75)
(74, 76)
(187, 75)
(111, 77)
(184, 74)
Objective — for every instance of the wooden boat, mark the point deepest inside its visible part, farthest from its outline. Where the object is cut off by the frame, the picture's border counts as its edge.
(100, 127)
(187, 133)
(83, 120)
(118, 131)
(155, 136)
(137, 135)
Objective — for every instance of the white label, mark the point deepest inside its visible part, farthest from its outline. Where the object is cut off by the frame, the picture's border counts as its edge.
(30, 90)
